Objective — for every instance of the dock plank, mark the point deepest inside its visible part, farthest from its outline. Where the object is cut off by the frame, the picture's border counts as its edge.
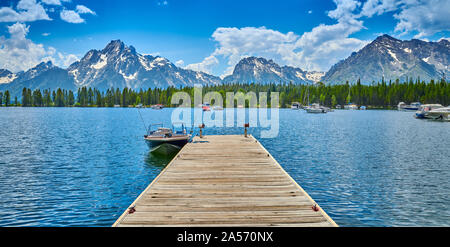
(223, 180)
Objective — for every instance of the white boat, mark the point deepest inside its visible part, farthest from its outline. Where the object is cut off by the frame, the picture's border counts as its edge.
(338, 107)
(402, 106)
(162, 136)
(316, 108)
(157, 107)
(439, 114)
(217, 108)
(206, 107)
(363, 108)
(424, 109)
(295, 106)
(350, 106)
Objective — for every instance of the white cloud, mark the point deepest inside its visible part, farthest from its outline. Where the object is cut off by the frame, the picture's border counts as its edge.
(52, 2)
(81, 9)
(26, 11)
(19, 53)
(70, 16)
(379, 7)
(179, 63)
(427, 18)
(73, 16)
(204, 66)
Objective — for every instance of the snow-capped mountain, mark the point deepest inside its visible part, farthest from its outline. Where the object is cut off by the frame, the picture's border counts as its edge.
(263, 71)
(117, 65)
(393, 59)
(120, 66)
(44, 76)
(6, 76)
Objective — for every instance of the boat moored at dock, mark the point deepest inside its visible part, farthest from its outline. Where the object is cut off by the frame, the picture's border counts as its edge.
(351, 106)
(402, 106)
(424, 109)
(166, 140)
(316, 108)
(439, 114)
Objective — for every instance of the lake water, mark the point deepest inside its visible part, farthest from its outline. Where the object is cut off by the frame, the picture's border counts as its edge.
(85, 166)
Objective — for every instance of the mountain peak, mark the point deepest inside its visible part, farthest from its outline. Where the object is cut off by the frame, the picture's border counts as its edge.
(385, 37)
(114, 46)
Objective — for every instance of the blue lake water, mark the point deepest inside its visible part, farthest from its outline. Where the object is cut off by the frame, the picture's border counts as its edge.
(85, 166)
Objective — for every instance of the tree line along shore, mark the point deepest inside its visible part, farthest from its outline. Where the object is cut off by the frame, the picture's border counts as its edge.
(382, 95)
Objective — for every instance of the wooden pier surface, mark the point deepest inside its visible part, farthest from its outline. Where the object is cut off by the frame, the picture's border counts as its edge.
(224, 180)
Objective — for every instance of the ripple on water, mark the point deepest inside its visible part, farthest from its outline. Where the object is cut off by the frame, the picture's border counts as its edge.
(85, 166)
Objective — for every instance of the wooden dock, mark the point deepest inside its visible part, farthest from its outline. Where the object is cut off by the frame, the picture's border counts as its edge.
(224, 180)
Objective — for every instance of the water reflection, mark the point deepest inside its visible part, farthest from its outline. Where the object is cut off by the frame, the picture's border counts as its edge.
(158, 160)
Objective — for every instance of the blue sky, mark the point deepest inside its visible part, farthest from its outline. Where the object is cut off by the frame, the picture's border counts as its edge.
(212, 35)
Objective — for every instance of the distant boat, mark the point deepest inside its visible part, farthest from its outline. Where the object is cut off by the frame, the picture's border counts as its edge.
(351, 106)
(217, 108)
(424, 109)
(439, 114)
(206, 107)
(404, 107)
(240, 106)
(295, 106)
(363, 108)
(316, 108)
(338, 107)
(140, 106)
(157, 107)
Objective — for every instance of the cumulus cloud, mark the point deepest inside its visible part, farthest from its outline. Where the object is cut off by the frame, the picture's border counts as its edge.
(70, 16)
(52, 2)
(73, 16)
(179, 63)
(427, 18)
(81, 9)
(205, 66)
(19, 53)
(26, 11)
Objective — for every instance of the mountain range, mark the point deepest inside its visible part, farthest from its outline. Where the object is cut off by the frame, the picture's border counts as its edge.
(391, 59)
(119, 66)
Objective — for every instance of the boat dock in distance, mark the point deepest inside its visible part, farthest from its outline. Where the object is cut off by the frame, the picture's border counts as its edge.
(223, 180)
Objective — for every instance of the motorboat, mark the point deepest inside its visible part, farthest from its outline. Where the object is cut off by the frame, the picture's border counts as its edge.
(315, 108)
(424, 109)
(157, 107)
(217, 108)
(363, 108)
(439, 114)
(350, 106)
(206, 107)
(402, 106)
(171, 139)
(295, 106)
(338, 107)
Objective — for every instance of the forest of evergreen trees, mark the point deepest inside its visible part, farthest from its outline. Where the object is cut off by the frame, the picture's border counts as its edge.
(378, 95)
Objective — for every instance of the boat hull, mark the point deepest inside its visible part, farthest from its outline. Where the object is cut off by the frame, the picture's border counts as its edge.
(177, 142)
(165, 149)
(315, 110)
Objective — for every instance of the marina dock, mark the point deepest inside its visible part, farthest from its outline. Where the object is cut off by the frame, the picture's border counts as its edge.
(224, 180)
